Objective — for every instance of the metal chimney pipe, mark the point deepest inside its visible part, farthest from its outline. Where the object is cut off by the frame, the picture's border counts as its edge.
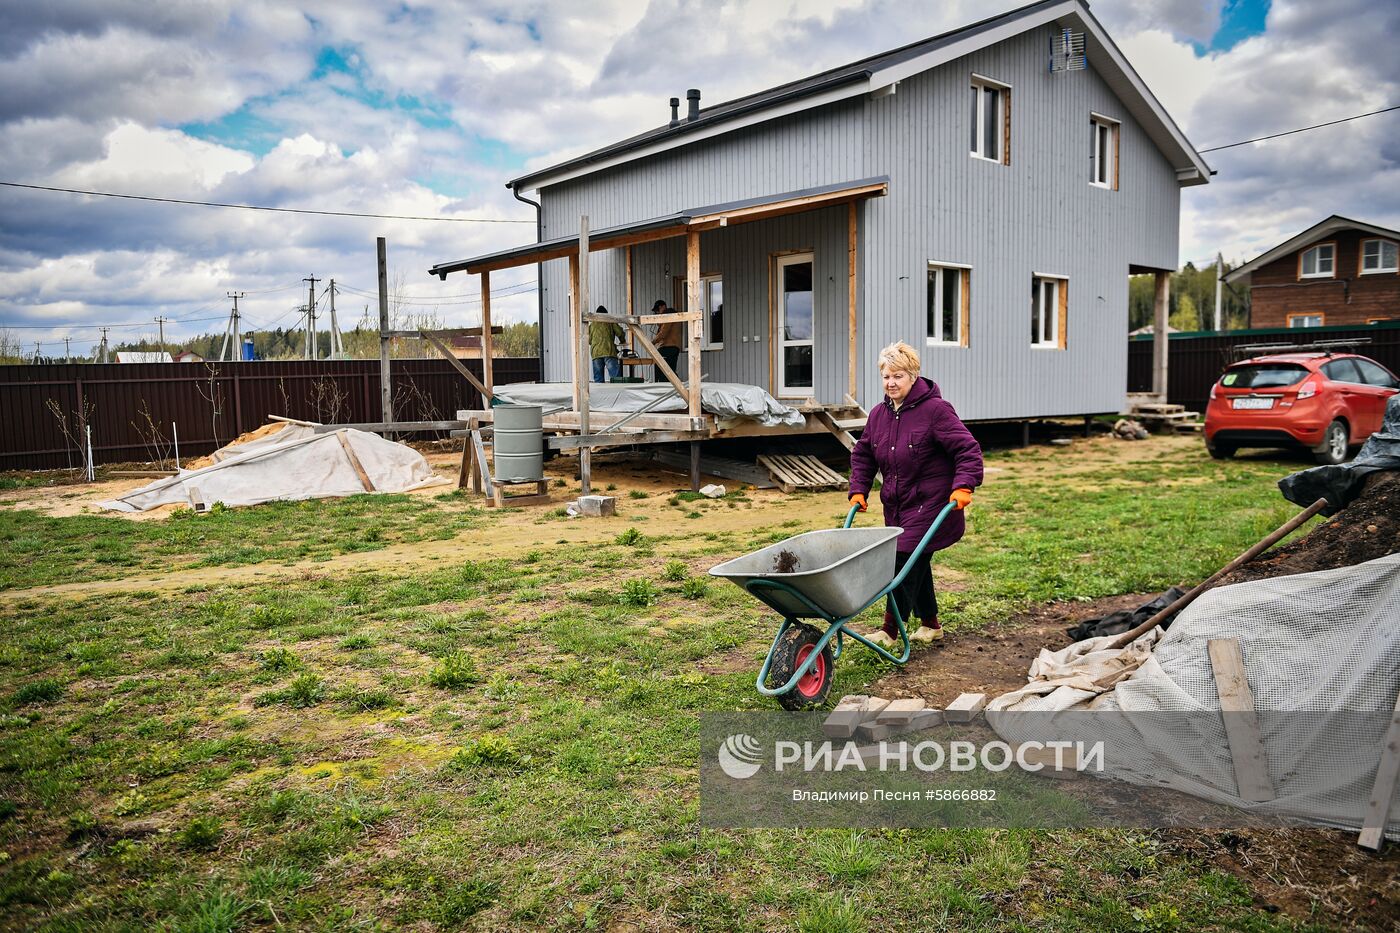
(675, 111)
(692, 97)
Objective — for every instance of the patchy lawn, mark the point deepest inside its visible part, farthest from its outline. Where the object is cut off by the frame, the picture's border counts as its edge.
(506, 737)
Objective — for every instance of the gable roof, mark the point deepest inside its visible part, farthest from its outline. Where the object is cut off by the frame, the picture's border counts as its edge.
(1311, 235)
(887, 69)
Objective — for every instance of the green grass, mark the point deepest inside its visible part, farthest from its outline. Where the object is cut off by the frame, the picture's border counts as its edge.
(428, 749)
(36, 549)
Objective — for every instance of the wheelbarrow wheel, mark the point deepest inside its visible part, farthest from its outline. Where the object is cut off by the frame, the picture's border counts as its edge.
(796, 645)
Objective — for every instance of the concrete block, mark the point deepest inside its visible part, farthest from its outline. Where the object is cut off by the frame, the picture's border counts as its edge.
(850, 713)
(965, 708)
(597, 506)
(899, 712)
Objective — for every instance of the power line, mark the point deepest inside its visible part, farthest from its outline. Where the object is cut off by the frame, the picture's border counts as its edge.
(196, 320)
(257, 207)
(1301, 129)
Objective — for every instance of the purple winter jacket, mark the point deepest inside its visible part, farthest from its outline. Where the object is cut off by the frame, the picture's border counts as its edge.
(924, 452)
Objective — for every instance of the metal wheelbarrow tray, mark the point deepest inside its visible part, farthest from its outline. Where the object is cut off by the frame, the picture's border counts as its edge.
(838, 570)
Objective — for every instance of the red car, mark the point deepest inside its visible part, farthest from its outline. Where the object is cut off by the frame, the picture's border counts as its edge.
(1325, 402)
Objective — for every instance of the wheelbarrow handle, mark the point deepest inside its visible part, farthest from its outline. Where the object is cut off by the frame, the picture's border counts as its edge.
(851, 516)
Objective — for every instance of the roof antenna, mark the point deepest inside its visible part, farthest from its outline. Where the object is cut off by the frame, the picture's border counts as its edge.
(1067, 52)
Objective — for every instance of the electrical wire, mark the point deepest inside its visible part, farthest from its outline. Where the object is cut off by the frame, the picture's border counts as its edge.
(258, 207)
(197, 320)
(1301, 129)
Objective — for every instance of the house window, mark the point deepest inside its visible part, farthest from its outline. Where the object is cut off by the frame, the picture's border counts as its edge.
(991, 121)
(712, 303)
(1103, 152)
(1306, 320)
(1049, 311)
(947, 304)
(1318, 262)
(1379, 256)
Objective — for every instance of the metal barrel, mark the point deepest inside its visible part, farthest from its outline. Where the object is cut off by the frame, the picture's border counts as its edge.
(519, 443)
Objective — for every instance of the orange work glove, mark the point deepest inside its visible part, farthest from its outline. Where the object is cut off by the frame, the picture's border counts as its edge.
(963, 498)
(859, 501)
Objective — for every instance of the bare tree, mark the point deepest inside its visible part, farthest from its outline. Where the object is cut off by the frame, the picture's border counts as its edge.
(153, 438)
(213, 395)
(329, 400)
(74, 428)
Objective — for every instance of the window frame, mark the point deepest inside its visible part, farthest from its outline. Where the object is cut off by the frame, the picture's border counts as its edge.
(981, 84)
(706, 334)
(1380, 257)
(1302, 257)
(1098, 122)
(963, 274)
(1060, 317)
(1321, 316)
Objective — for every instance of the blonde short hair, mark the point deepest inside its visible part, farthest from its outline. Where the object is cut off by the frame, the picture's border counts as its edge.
(899, 357)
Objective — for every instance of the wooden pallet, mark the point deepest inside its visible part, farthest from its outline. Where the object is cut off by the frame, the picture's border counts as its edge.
(801, 471)
(499, 500)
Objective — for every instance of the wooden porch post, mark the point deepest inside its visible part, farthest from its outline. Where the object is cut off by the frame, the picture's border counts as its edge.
(1160, 336)
(851, 300)
(575, 322)
(581, 351)
(697, 321)
(631, 307)
(487, 345)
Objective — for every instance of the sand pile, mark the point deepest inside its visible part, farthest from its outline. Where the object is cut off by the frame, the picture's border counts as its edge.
(272, 427)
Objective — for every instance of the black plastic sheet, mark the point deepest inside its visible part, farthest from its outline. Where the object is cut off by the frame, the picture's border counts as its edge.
(1116, 623)
(1342, 483)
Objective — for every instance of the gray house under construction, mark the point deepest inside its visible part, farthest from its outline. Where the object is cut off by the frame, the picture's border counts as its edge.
(982, 194)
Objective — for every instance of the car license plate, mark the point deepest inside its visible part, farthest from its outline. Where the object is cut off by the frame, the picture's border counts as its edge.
(1253, 403)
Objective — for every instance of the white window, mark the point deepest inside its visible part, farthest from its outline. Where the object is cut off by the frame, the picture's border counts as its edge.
(1319, 261)
(947, 304)
(1048, 306)
(712, 304)
(1103, 152)
(990, 103)
(1305, 320)
(1379, 256)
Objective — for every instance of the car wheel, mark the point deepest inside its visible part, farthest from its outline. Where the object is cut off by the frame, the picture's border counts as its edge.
(1334, 444)
(1221, 451)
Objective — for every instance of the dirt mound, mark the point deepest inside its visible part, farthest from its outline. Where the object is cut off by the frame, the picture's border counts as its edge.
(272, 427)
(1366, 529)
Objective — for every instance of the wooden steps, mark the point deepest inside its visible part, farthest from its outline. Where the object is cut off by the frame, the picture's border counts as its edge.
(801, 471)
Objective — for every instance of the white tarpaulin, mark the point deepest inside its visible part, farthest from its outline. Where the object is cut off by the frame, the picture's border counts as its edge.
(730, 402)
(1321, 654)
(294, 463)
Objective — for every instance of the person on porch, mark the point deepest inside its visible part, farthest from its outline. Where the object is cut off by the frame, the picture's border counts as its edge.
(668, 339)
(603, 338)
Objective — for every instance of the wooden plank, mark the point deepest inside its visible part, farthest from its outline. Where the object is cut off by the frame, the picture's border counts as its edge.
(966, 311)
(355, 461)
(772, 325)
(965, 708)
(1383, 790)
(850, 713)
(697, 324)
(1006, 127)
(1062, 335)
(392, 427)
(792, 205)
(900, 712)
(456, 363)
(623, 439)
(664, 318)
(779, 472)
(850, 305)
(488, 346)
(719, 466)
(574, 312)
(657, 420)
(631, 308)
(1241, 725)
(661, 364)
(836, 429)
(482, 468)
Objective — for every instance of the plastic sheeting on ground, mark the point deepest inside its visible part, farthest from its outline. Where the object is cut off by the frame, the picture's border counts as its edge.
(1313, 644)
(1342, 483)
(295, 463)
(1072, 677)
(729, 402)
(1116, 623)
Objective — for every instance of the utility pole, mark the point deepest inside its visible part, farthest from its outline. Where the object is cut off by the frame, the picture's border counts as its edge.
(233, 327)
(1219, 275)
(67, 350)
(312, 351)
(386, 395)
(104, 344)
(336, 349)
(36, 352)
(161, 321)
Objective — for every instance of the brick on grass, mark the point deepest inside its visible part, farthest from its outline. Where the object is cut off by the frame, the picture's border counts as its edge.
(965, 708)
(850, 713)
(1068, 768)
(597, 506)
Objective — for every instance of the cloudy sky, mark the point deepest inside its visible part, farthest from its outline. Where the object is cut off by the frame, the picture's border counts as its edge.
(428, 108)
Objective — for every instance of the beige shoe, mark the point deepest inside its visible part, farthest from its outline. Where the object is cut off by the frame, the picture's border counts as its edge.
(927, 633)
(882, 638)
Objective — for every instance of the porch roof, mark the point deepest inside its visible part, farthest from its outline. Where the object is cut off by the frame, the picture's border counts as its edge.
(680, 223)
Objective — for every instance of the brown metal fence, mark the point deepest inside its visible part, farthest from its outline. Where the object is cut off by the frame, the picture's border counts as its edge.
(1195, 361)
(131, 407)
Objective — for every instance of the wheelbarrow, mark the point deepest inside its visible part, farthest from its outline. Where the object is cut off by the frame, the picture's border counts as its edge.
(832, 575)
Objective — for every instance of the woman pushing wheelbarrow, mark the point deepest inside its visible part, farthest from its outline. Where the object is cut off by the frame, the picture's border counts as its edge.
(926, 457)
(930, 465)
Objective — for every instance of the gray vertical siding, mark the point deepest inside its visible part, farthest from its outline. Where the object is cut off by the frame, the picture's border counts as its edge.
(1038, 214)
